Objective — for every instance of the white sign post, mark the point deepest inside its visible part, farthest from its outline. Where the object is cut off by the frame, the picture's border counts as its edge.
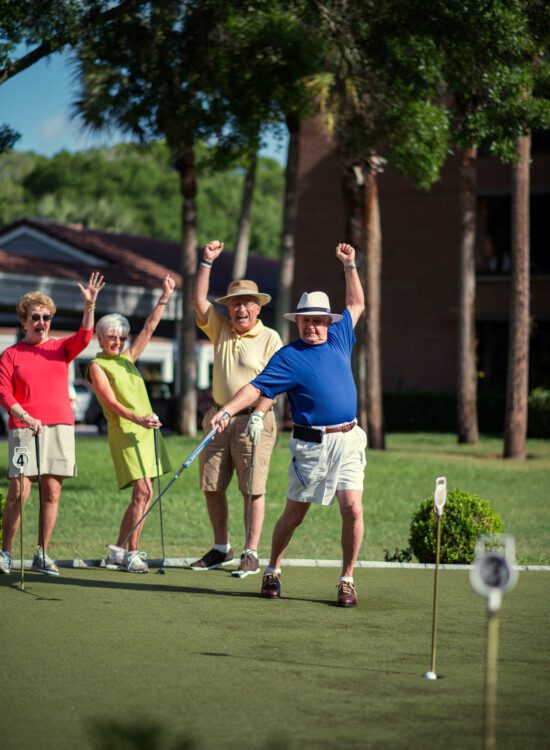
(492, 574)
(440, 498)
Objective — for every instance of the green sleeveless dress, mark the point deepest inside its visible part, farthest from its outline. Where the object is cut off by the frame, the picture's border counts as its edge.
(132, 446)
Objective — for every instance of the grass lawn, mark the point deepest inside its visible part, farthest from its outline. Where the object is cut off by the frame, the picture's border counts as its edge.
(101, 660)
(396, 481)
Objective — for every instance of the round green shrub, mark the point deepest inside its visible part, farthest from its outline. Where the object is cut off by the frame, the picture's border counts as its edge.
(465, 517)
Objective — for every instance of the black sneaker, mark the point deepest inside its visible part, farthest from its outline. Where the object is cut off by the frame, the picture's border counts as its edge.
(271, 586)
(249, 565)
(213, 559)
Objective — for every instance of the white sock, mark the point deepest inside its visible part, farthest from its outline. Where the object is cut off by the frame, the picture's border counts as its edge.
(250, 552)
(347, 579)
(272, 570)
(223, 547)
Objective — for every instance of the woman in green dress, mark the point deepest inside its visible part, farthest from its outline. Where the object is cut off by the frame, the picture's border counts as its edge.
(121, 391)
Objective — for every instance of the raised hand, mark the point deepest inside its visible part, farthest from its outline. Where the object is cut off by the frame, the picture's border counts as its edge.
(345, 253)
(95, 285)
(168, 286)
(212, 250)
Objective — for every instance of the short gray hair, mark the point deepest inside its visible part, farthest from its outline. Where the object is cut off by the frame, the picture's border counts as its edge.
(113, 322)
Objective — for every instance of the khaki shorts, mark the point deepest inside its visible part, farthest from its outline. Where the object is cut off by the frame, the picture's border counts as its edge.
(57, 451)
(231, 450)
(317, 470)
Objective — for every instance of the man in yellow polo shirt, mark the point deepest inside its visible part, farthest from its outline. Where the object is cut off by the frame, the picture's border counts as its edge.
(242, 348)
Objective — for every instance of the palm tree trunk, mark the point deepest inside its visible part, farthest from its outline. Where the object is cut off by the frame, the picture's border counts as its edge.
(517, 384)
(240, 259)
(373, 245)
(286, 268)
(187, 416)
(467, 426)
(353, 184)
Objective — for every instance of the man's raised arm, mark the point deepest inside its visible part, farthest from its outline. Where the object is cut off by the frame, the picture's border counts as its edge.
(355, 297)
(199, 298)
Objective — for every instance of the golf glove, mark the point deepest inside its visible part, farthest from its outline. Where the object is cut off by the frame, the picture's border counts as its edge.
(255, 426)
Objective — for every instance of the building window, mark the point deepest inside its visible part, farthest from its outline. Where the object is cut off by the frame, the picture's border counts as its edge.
(494, 234)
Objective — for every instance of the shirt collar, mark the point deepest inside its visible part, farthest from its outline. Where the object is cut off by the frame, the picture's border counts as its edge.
(253, 331)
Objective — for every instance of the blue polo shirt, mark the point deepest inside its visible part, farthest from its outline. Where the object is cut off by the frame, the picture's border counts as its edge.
(317, 378)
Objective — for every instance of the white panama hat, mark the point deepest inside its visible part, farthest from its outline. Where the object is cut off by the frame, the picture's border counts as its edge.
(313, 303)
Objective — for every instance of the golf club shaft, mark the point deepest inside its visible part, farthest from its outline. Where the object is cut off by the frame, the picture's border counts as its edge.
(21, 530)
(184, 465)
(41, 524)
(156, 436)
(249, 496)
(436, 591)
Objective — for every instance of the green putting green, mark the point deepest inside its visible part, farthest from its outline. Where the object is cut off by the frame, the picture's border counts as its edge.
(98, 659)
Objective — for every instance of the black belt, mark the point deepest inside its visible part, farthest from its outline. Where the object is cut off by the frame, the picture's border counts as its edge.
(311, 435)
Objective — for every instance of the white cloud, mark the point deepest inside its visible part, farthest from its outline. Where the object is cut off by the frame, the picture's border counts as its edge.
(53, 128)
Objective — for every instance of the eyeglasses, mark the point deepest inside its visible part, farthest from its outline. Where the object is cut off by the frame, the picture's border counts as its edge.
(36, 317)
(235, 305)
(117, 338)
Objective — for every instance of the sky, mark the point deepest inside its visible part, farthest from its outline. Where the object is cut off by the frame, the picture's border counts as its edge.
(37, 103)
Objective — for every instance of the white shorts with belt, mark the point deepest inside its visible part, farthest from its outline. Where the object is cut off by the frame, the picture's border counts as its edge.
(318, 470)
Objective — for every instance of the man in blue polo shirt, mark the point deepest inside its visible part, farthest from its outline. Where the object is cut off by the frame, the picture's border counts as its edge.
(327, 446)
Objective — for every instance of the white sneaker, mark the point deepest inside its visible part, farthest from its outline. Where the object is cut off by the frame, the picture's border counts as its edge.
(42, 563)
(134, 562)
(115, 558)
(6, 563)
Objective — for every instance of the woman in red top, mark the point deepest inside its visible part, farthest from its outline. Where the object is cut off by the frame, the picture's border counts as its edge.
(34, 391)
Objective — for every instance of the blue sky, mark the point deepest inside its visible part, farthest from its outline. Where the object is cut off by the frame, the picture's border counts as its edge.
(37, 103)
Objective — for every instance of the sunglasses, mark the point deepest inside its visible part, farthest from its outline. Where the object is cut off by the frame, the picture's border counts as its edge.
(36, 317)
(117, 338)
(236, 305)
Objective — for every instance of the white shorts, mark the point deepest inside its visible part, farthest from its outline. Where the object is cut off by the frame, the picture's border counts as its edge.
(317, 470)
(57, 450)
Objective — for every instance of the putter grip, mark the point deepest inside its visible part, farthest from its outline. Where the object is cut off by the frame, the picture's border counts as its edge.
(37, 446)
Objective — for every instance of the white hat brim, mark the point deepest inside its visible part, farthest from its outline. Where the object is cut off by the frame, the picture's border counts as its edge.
(334, 317)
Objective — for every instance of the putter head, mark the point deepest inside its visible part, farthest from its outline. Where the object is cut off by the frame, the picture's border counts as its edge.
(161, 571)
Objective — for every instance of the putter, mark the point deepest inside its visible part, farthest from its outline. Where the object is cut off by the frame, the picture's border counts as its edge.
(440, 498)
(189, 460)
(20, 460)
(41, 517)
(242, 573)
(161, 570)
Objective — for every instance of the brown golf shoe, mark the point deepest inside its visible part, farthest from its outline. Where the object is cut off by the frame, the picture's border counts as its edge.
(271, 586)
(347, 595)
(249, 565)
(213, 559)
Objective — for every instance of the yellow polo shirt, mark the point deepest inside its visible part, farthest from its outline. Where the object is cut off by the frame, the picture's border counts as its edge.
(237, 359)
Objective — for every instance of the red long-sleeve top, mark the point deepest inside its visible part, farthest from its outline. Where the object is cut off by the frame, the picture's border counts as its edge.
(36, 377)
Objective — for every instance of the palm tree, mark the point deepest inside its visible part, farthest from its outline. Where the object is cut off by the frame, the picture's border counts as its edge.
(517, 382)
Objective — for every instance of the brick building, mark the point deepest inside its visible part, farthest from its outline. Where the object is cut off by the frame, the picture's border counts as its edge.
(420, 237)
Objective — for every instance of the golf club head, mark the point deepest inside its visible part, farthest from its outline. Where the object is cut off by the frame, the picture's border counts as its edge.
(440, 495)
(161, 571)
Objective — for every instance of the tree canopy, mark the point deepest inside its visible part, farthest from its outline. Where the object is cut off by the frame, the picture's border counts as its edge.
(131, 188)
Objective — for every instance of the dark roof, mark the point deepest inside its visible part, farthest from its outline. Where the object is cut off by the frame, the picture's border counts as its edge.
(131, 259)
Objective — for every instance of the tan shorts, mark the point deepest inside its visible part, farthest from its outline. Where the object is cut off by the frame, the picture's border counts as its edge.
(231, 450)
(318, 470)
(57, 451)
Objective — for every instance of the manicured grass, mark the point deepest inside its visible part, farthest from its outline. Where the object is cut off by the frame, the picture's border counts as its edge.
(101, 660)
(396, 481)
